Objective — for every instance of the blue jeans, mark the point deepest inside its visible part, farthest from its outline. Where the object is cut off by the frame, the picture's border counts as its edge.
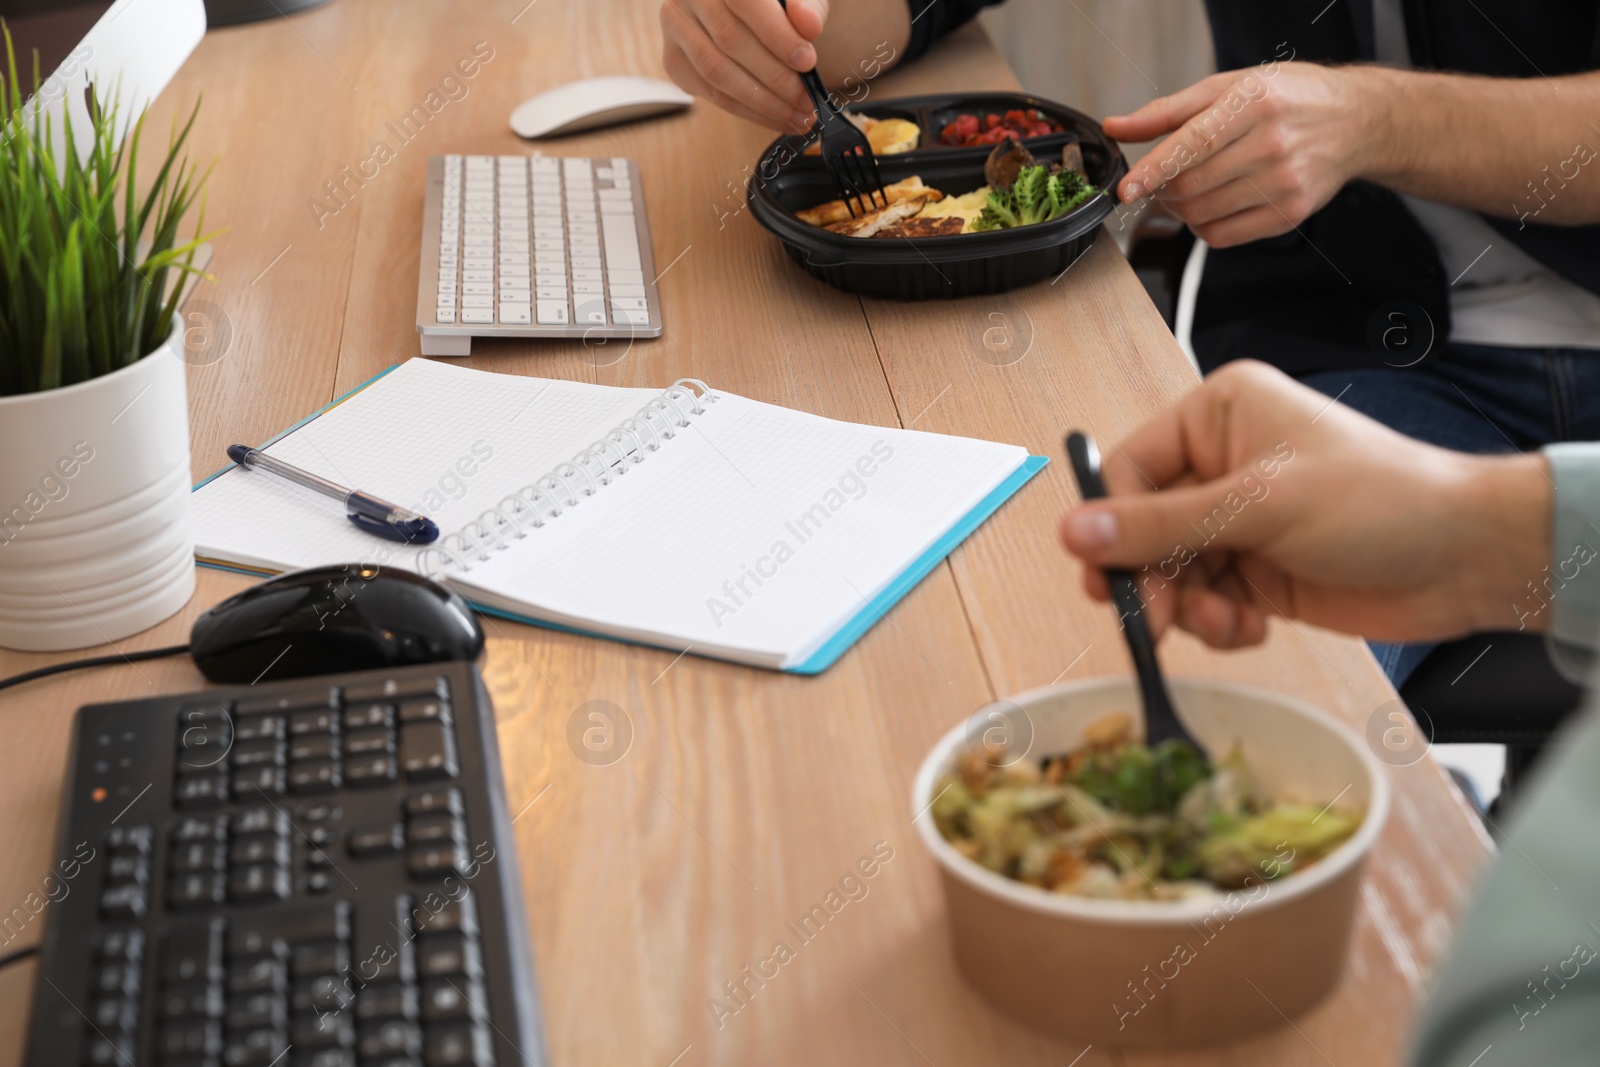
(1474, 398)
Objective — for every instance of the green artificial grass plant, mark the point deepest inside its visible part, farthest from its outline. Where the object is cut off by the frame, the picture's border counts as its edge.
(89, 271)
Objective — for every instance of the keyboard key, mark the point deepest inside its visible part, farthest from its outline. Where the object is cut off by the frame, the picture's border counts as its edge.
(552, 312)
(322, 1031)
(200, 828)
(314, 776)
(196, 889)
(591, 313)
(616, 208)
(368, 714)
(631, 318)
(387, 1000)
(253, 753)
(448, 800)
(472, 303)
(322, 994)
(382, 949)
(436, 860)
(427, 750)
(627, 290)
(124, 946)
(368, 741)
(445, 315)
(447, 955)
(116, 980)
(259, 882)
(255, 1011)
(191, 1037)
(366, 770)
(314, 746)
(198, 857)
(190, 999)
(458, 1045)
(416, 709)
(250, 783)
(258, 848)
(200, 790)
(551, 292)
(127, 866)
(628, 303)
(320, 721)
(439, 915)
(392, 1038)
(376, 840)
(258, 728)
(587, 289)
(622, 241)
(319, 882)
(103, 1051)
(477, 316)
(334, 1057)
(314, 958)
(477, 289)
(254, 1048)
(587, 275)
(444, 999)
(619, 276)
(265, 975)
(261, 819)
(438, 826)
(516, 314)
(318, 697)
(126, 901)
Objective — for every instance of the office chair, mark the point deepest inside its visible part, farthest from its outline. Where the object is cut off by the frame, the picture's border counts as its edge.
(1493, 688)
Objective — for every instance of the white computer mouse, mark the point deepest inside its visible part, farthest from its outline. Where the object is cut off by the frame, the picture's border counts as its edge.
(584, 105)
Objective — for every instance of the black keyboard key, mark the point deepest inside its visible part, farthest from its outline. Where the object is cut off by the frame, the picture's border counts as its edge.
(314, 776)
(192, 828)
(366, 715)
(437, 914)
(192, 999)
(254, 753)
(435, 800)
(126, 900)
(447, 955)
(437, 860)
(127, 867)
(258, 728)
(191, 1037)
(198, 858)
(314, 746)
(259, 882)
(387, 1000)
(383, 949)
(259, 848)
(196, 889)
(370, 770)
(320, 882)
(419, 709)
(423, 829)
(326, 1057)
(328, 1029)
(322, 721)
(201, 790)
(444, 999)
(313, 958)
(124, 945)
(115, 980)
(376, 840)
(324, 993)
(392, 1038)
(321, 812)
(193, 951)
(261, 819)
(272, 934)
(101, 1050)
(264, 975)
(320, 696)
(139, 838)
(397, 689)
(257, 1011)
(368, 741)
(253, 783)
(254, 1048)
(114, 1014)
(458, 1045)
(428, 750)
(203, 737)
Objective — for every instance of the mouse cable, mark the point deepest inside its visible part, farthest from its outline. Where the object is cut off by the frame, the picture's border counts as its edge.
(97, 661)
(19, 955)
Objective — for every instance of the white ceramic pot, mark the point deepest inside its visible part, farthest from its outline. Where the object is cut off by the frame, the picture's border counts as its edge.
(95, 538)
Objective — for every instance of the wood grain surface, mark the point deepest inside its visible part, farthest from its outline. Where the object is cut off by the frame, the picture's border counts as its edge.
(743, 796)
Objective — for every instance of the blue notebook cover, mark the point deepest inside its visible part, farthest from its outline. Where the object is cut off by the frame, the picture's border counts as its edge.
(835, 646)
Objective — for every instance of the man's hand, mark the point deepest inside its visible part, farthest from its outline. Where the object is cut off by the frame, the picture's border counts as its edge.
(1253, 152)
(1256, 496)
(745, 55)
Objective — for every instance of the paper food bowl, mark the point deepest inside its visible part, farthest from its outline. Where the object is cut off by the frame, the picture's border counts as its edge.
(1165, 973)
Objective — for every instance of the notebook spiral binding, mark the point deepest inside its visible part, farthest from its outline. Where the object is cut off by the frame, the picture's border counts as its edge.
(569, 483)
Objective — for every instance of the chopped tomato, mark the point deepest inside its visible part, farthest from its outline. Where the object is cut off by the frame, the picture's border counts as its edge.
(965, 130)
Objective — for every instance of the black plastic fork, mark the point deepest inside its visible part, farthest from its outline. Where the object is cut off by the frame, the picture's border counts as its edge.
(846, 152)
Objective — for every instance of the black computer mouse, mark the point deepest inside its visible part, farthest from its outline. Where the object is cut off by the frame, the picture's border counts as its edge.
(327, 620)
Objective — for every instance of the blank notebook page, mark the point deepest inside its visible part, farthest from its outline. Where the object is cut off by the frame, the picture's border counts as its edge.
(446, 441)
(756, 533)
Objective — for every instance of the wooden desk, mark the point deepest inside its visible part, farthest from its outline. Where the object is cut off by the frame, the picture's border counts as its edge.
(745, 794)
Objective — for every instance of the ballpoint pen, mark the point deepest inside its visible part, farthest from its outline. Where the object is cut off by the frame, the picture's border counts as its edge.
(369, 513)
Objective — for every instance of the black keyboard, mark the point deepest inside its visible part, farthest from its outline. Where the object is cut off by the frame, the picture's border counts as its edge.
(317, 873)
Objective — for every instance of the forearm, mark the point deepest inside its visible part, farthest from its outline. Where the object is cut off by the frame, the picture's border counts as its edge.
(862, 39)
(1500, 542)
(1509, 147)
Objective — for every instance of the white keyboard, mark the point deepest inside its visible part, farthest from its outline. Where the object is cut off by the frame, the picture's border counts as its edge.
(534, 246)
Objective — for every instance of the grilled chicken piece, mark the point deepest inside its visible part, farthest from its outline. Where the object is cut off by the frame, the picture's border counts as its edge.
(835, 210)
(921, 227)
(869, 224)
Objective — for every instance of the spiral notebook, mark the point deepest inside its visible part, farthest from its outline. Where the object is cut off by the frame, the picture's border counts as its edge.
(686, 518)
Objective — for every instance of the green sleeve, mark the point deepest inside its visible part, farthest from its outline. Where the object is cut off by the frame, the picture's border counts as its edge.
(1570, 589)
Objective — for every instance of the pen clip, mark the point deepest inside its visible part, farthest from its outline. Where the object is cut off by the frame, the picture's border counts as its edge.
(407, 531)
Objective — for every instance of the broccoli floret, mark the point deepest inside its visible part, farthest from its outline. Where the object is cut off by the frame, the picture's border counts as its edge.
(1029, 191)
(1066, 191)
(1000, 212)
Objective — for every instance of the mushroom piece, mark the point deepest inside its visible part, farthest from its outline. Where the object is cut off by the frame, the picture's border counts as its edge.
(1009, 157)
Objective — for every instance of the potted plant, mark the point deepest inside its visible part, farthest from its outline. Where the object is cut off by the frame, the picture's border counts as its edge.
(95, 539)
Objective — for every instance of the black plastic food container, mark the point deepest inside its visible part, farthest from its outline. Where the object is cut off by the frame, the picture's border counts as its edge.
(958, 265)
